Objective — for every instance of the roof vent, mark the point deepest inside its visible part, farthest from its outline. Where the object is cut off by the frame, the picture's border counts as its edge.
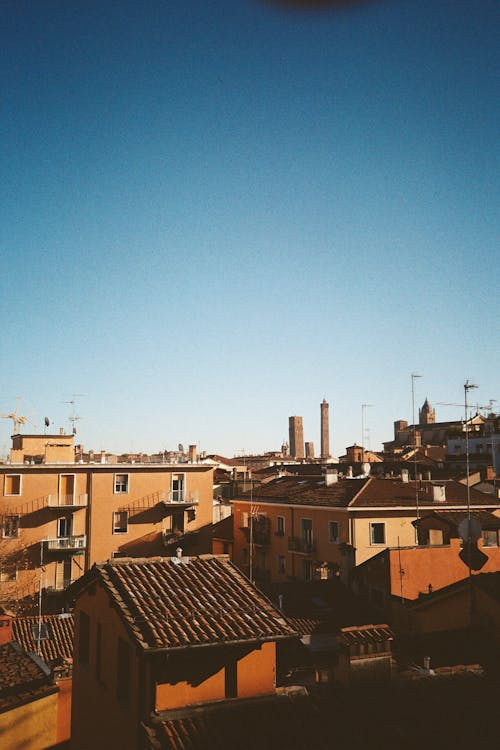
(178, 552)
(438, 493)
(405, 476)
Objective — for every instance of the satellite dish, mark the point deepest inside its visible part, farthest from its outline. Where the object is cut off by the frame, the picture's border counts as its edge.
(180, 448)
(47, 422)
(469, 529)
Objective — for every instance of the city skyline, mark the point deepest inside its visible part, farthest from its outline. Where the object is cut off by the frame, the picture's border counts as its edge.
(214, 217)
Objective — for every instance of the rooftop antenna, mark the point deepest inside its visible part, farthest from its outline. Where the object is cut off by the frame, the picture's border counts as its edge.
(414, 376)
(73, 417)
(363, 431)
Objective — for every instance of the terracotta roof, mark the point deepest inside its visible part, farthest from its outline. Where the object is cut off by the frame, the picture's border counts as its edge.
(267, 723)
(361, 492)
(454, 517)
(171, 603)
(56, 647)
(363, 634)
(23, 677)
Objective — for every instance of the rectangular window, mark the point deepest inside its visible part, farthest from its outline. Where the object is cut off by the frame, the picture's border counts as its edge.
(280, 526)
(177, 488)
(84, 640)
(12, 484)
(307, 570)
(377, 533)
(333, 532)
(121, 484)
(123, 671)
(120, 522)
(65, 527)
(281, 564)
(11, 527)
(98, 647)
(490, 538)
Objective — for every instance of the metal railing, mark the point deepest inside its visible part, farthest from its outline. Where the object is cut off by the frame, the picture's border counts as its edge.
(67, 542)
(58, 500)
(301, 544)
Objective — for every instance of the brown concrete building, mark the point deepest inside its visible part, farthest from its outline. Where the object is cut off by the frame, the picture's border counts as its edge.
(296, 435)
(66, 516)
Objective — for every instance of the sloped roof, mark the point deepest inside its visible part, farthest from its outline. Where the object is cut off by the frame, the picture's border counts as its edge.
(172, 603)
(23, 678)
(454, 517)
(362, 492)
(265, 723)
(363, 634)
(57, 646)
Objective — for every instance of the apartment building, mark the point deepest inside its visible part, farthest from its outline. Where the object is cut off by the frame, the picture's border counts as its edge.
(305, 528)
(59, 517)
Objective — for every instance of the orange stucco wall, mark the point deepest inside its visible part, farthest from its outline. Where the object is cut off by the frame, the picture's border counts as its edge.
(257, 672)
(437, 566)
(30, 727)
(64, 710)
(94, 486)
(324, 550)
(184, 694)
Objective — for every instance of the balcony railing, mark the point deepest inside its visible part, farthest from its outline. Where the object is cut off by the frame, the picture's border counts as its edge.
(301, 544)
(67, 543)
(180, 497)
(58, 500)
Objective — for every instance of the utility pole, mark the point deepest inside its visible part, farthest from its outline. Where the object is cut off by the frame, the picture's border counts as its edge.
(414, 375)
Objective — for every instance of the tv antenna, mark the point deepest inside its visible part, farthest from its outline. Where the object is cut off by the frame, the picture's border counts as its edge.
(74, 417)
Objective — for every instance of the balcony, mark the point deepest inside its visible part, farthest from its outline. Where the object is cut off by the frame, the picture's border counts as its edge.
(300, 544)
(67, 501)
(179, 497)
(67, 543)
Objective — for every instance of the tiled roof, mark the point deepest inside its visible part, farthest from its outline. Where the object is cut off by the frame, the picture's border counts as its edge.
(307, 491)
(364, 634)
(264, 723)
(361, 492)
(454, 517)
(57, 647)
(170, 603)
(23, 678)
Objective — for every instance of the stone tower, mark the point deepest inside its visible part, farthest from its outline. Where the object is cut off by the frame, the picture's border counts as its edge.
(426, 414)
(296, 434)
(325, 430)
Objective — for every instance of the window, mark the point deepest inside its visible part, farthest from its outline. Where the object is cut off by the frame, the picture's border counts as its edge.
(12, 484)
(490, 538)
(8, 574)
(10, 527)
(98, 648)
(120, 522)
(177, 488)
(84, 640)
(333, 532)
(121, 484)
(281, 564)
(377, 533)
(123, 671)
(40, 631)
(306, 533)
(307, 570)
(65, 527)
(280, 526)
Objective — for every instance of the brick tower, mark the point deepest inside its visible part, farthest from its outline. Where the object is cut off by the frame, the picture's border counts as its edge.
(325, 430)
(296, 433)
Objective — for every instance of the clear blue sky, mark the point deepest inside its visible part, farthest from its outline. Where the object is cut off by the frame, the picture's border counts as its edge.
(214, 214)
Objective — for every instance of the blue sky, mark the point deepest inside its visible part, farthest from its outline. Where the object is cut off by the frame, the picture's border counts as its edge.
(215, 214)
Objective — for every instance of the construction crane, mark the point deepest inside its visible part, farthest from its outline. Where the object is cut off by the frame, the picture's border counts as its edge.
(18, 419)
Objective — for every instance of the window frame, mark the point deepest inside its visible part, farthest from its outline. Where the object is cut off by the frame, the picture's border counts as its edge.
(281, 565)
(337, 535)
(280, 525)
(182, 491)
(374, 543)
(117, 491)
(117, 530)
(486, 543)
(9, 516)
(13, 494)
